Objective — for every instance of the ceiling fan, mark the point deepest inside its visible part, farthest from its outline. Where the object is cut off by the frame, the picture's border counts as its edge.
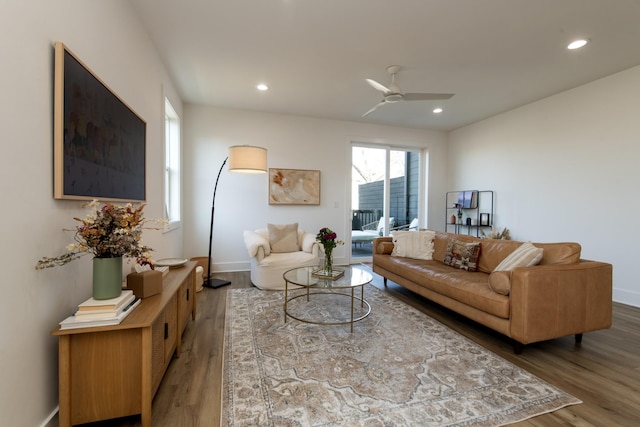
(394, 94)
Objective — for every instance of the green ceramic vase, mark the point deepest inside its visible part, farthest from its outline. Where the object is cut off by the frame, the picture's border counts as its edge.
(107, 278)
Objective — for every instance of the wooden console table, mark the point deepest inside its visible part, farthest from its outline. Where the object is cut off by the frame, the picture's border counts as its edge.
(114, 371)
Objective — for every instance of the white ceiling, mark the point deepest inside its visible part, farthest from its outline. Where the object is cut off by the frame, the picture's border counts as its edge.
(315, 55)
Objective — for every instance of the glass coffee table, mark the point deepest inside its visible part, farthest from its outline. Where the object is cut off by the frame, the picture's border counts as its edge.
(351, 279)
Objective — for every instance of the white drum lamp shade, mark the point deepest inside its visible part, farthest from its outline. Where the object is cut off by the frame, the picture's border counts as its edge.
(247, 159)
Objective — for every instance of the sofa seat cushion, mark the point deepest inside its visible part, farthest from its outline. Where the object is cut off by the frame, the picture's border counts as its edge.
(471, 288)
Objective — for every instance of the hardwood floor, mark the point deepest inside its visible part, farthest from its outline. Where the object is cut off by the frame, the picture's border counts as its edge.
(603, 371)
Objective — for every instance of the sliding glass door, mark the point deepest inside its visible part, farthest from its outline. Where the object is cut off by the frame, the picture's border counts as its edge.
(384, 194)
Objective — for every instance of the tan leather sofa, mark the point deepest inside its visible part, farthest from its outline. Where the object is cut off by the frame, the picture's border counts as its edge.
(562, 295)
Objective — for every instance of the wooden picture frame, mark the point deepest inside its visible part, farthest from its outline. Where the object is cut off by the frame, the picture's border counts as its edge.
(294, 187)
(99, 141)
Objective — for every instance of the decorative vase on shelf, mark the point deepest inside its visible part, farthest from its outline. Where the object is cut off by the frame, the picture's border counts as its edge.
(328, 262)
(107, 278)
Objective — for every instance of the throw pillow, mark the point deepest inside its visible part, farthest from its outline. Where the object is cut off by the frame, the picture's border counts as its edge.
(500, 282)
(462, 255)
(283, 237)
(526, 255)
(413, 244)
(384, 248)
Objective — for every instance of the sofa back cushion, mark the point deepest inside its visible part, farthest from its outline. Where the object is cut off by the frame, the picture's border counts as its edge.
(441, 241)
(560, 253)
(495, 250)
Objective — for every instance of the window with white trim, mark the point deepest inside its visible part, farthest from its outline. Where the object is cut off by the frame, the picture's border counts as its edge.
(172, 174)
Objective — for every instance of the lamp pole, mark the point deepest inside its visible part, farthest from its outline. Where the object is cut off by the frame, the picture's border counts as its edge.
(242, 159)
(211, 282)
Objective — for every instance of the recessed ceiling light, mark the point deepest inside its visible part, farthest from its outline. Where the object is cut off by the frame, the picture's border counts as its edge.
(437, 110)
(262, 87)
(577, 44)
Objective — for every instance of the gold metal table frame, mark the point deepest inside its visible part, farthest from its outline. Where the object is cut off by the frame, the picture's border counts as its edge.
(303, 276)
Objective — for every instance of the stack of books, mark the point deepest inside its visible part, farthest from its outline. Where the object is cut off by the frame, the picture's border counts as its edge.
(107, 312)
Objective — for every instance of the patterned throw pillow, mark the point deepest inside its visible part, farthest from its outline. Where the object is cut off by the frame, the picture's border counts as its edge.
(283, 237)
(462, 255)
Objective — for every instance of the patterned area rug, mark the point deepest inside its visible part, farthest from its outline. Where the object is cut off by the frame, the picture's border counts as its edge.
(398, 368)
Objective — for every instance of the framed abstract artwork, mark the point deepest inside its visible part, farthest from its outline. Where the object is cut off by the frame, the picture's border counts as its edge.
(99, 141)
(294, 187)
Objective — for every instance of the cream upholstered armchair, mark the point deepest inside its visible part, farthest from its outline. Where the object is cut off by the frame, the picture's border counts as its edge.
(276, 249)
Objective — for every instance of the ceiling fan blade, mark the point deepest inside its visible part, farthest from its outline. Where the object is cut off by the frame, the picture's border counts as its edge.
(377, 86)
(426, 96)
(374, 108)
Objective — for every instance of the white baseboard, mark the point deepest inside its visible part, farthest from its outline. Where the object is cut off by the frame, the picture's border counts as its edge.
(52, 419)
(626, 297)
(229, 267)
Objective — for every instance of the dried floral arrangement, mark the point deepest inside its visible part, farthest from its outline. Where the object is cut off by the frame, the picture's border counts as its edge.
(108, 231)
(505, 234)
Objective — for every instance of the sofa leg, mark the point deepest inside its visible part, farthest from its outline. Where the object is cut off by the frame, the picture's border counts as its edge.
(578, 338)
(517, 347)
(384, 279)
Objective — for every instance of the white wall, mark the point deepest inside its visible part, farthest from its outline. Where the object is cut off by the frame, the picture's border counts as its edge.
(106, 35)
(293, 143)
(564, 169)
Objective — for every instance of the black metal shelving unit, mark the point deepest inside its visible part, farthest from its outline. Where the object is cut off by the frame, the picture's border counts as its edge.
(472, 209)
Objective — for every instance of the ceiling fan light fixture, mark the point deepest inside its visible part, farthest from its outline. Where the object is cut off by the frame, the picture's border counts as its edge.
(577, 44)
(393, 97)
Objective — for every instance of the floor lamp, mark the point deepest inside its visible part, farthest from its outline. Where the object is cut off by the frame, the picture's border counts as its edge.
(242, 159)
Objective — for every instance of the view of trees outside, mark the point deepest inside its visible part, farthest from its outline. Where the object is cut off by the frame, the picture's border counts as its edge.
(368, 165)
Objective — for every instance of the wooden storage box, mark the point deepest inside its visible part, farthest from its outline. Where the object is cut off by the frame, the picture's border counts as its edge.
(145, 284)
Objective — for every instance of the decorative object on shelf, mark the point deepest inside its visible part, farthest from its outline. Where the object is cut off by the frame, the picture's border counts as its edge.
(334, 274)
(327, 239)
(485, 219)
(172, 262)
(453, 219)
(108, 231)
(145, 283)
(242, 159)
(505, 234)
